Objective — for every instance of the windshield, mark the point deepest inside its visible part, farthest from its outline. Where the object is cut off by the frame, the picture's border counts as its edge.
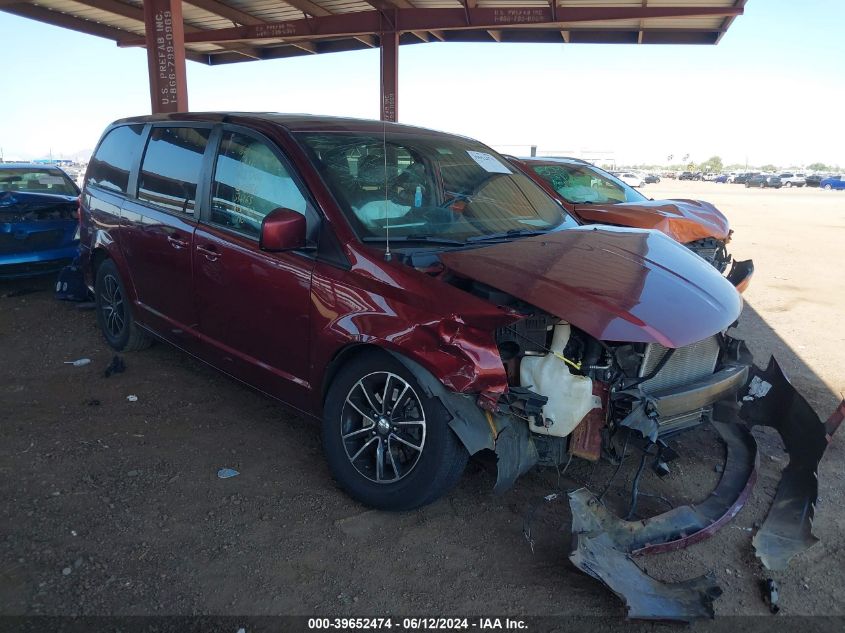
(33, 180)
(429, 186)
(579, 184)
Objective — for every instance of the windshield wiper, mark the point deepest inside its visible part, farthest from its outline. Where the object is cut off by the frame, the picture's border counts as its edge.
(505, 235)
(431, 239)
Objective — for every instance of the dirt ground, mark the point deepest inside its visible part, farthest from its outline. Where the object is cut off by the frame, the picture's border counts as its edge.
(114, 507)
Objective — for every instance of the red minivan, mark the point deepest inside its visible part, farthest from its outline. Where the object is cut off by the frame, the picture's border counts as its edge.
(410, 288)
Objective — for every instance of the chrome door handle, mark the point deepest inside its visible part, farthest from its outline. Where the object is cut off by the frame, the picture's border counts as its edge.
(209, 252)
(176, 243)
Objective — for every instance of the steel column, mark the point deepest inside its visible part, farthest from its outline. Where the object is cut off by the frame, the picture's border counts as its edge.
(165, 40)
(389, 75)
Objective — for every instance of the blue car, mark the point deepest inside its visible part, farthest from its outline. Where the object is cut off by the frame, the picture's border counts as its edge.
(721, 178)
(38, 219)
(834, 182)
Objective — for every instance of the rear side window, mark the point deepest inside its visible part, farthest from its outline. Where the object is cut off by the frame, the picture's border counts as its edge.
(249, 182)
(171, 168)
(110, 166)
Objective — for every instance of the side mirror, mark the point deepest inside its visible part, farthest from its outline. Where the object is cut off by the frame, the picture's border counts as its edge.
(282, 230)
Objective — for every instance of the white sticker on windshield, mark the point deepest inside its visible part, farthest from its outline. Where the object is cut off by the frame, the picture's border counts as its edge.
(51, 180)
(488, 163)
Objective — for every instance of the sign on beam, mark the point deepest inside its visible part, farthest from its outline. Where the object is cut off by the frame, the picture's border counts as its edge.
(165, 39)
(389, 76)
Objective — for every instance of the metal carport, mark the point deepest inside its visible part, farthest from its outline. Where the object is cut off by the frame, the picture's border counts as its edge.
(228, 31)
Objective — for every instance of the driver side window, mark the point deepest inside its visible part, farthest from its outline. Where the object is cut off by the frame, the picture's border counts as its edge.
(249, 182)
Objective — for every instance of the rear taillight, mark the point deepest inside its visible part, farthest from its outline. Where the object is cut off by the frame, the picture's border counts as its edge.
(78, 234)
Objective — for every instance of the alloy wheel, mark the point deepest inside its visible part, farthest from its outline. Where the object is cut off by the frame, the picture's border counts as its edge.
(112, 306)
(383, 427)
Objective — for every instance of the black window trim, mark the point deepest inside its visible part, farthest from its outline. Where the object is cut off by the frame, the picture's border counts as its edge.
(133, 168)
(200, 200)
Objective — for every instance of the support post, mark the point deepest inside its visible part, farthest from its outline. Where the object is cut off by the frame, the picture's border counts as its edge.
(389, 75)
(165, 39)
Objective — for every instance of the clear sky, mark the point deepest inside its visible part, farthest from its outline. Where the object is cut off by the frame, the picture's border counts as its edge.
(773, 90)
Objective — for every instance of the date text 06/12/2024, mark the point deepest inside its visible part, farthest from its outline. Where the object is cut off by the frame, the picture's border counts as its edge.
(417, 624)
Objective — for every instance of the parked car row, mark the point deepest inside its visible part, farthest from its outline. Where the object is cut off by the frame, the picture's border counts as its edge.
(766, 180)
(758, 179)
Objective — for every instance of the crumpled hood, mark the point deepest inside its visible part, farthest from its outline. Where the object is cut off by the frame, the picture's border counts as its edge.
(615, 284)
(683, 220)
(20, 205)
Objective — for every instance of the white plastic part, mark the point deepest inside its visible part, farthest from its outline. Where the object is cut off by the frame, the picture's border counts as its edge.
(570, 396)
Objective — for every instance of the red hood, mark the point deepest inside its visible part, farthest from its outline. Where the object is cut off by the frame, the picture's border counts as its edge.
(683, 220)
(615, 284)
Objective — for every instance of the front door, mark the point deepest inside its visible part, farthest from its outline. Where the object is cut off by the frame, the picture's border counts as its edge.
(253, 305)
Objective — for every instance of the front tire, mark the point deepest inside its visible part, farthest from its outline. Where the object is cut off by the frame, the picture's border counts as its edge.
(789, 185)
(388, 444)
(828, 187)
(114, 313)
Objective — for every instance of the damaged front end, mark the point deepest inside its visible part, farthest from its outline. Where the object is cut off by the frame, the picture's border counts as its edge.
(572, 396)
(592, 400)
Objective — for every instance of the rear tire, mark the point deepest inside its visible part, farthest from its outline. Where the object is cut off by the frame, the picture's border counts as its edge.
(393, 452)
(827, 187)
(114, 312)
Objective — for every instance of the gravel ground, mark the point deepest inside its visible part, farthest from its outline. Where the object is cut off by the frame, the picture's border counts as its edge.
(114, 507)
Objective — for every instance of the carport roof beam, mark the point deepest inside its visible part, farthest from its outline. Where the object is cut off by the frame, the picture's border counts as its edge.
(409, 20)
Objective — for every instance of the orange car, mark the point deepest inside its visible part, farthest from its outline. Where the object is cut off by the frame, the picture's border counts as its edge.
(596, 197)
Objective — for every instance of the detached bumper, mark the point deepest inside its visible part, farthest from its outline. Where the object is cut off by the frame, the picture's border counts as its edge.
(767, 398)
(771, 400)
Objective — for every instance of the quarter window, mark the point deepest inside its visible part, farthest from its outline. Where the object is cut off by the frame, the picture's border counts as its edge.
(249, 182)
(171, 168)
(110, 166)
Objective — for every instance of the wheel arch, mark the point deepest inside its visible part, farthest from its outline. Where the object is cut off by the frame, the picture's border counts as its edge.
(343, 356)
(469, 421)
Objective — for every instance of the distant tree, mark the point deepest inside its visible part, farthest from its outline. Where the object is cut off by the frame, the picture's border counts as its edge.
(712, 164)
(769, 168)
(817, 167)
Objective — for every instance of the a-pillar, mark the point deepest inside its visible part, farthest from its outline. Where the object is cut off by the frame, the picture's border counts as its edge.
(389, 75)
(165, 34)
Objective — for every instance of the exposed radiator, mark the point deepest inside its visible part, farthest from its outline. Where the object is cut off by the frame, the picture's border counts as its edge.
(686, 365)
(708, 254)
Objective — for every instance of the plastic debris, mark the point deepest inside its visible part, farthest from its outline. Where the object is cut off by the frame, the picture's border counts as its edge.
(758, 388)
(225, 473)
(132, 398)
(116, 366)
(80, 362)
